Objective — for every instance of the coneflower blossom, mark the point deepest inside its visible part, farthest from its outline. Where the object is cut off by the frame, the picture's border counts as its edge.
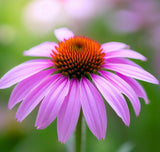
(77, 73)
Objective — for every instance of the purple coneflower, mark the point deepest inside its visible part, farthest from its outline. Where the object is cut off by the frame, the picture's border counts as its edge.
(77, 73)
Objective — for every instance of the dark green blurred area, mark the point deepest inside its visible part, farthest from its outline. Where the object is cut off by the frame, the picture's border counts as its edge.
(143, 134)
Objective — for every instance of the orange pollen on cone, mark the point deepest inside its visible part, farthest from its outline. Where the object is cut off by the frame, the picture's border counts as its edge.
(78, 56)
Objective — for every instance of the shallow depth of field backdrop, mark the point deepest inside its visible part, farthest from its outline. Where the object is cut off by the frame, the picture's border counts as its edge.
(134, 23)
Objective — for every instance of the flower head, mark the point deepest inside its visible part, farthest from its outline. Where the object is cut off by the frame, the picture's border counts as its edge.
(77, 73)
(78, 57)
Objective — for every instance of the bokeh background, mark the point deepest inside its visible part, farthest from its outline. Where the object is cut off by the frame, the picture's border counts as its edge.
(24, 24)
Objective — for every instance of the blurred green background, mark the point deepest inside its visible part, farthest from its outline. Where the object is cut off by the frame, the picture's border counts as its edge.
(143, 134)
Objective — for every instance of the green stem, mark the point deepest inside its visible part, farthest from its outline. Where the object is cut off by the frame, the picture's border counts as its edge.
(79, 140)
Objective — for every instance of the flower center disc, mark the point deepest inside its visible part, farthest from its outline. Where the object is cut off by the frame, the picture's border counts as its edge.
(78, 56)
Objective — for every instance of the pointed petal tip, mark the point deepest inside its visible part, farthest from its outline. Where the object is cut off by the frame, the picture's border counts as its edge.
(18, 119)
(39, 128)
(25, 53)
(62, 141)
(155, 81)
(137, 113)
(10, 107)
(102, 137)
(147, 101)
(127, 123)
(126, 120)
(144, 58)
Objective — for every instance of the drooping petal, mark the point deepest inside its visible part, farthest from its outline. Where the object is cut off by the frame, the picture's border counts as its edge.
(69, 112)
(26, 86)
(35, 97)
(114, 98)
(126, 53)
(135, 86)
(93, 108)
(132, 71)
(51, 104)
(45, 49)
(23, 71)
(124, 88)
(63, 34)
(113, 46)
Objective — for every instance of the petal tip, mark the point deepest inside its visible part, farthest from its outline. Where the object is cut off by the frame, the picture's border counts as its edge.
(127, 123)
(62, 141)
(18, 119)
(147, 101)
(10, 107)
(137, 113)
(38, 128)
(63, 33)
(155, 81)
(25, 53)
(144, 58)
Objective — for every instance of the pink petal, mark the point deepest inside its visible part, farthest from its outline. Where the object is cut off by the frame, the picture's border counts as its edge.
(113, 46)
(124, 88)
(35, 97)
(23, 71)
(113, 97)
(69, 112)
(132, 71)
(63, 34)
(136, 87)
(121, 61)
(45, 49)
(26, 86)
(93, 108)
(126, 54)
(51, 104)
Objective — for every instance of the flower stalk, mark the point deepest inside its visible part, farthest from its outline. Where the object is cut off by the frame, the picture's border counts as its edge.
(80, 135)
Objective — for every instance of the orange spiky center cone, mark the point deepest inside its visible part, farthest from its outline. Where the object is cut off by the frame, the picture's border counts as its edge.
(78, 56)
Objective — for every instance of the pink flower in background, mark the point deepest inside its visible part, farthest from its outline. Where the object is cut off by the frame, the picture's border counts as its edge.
(153, 40)
(154, 37)
(76, 74)
(136, 15)
(125, 21)
(41, 16)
